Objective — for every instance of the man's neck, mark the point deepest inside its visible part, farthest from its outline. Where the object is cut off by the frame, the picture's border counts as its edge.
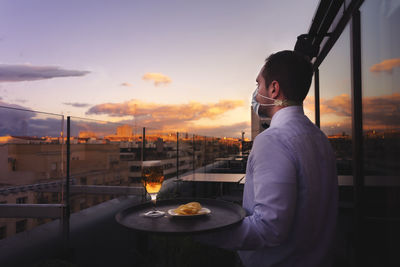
(289, 103)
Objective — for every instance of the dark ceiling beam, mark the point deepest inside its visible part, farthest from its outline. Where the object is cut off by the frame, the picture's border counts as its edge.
(335, 34)
(330, 10)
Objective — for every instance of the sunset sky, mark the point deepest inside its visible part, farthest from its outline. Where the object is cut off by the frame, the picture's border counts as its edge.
(179, 65)
(175, 64)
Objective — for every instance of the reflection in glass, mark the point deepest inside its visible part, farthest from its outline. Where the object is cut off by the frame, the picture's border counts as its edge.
(309, 103)
(335, 102)
(381, 87)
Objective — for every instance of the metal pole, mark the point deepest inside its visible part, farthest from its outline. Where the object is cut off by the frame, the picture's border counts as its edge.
(316, 96)
(212, 150)
(357, 136)
(194, 156)
(205, 153)
(177, 155)
(67, 214)
(242, 141)
(62, 149)
(143, 144)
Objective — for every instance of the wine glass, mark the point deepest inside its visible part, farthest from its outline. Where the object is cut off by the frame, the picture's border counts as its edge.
(152, 178)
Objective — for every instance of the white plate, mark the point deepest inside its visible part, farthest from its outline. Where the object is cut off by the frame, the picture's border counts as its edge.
(203, 211)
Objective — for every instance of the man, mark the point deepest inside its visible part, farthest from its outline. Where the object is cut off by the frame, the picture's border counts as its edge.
(290, 194)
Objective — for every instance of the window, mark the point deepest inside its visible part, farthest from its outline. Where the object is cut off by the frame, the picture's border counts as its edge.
(20, 226)
(3, 232)
(82, 204)
(135, 179)
(83, 180)
(3, 202)
(135, 168)
(72, 205)
(54, 197)
(335, 101)
(54, 166)
(12, 164)
(380, 57)
(22, 200)
(42, 199)
(95, 200)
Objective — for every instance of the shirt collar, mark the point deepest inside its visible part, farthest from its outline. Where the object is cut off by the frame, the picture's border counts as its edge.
(281, 115)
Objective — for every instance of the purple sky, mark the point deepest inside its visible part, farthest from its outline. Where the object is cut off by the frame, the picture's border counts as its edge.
(67, 57)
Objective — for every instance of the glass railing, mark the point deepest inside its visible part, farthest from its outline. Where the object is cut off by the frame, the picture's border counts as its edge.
(104, 161)
(100, 153)
(32, 163)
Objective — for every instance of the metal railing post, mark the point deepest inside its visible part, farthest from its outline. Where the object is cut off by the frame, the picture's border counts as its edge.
(316, 96)
(357, 137)
(205, 154)
(194, 156)
(67, 209)
(177, 155)
(143, 144)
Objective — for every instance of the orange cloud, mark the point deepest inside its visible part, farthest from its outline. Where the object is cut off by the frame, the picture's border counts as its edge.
(231, 130)
(382, 111)
(157, 78)
(178, 117)
(386, 65)
(339, 105)
(160, 112)
(379, 112)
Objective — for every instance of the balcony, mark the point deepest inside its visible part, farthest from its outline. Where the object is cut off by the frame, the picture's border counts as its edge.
(60, 193)
(58, 198)
(62, 183)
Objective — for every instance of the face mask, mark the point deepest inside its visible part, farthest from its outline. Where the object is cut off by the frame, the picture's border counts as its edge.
(277, 102)
(256, 105)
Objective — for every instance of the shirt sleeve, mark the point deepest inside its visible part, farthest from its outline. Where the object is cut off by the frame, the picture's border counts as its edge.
(274, 179)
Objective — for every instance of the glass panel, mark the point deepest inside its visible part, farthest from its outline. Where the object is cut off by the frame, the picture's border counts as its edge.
(309, 103)
(32, 166)
(185, 152)
(203, 151)
(380, 57)
(199, 151)
(335, 102)
(209, 152)
(162, 145)
(102, 154)
(381, 87)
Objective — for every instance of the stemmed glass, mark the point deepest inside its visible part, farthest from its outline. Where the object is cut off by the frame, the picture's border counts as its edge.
(152, 178)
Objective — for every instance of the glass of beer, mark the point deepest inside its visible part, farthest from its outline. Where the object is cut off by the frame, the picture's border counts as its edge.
(152, 178)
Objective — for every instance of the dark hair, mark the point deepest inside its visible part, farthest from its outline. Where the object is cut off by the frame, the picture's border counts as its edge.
(292, 70)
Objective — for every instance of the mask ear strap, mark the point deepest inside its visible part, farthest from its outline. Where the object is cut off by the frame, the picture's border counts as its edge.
(263, 96)
(267, 105)
(287, 103)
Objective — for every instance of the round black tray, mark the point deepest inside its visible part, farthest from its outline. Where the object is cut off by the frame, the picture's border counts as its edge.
(223, 214)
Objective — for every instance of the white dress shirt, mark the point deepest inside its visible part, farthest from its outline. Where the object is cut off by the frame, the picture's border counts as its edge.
(290, 196)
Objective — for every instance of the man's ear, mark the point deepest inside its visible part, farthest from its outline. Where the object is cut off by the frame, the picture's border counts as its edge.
(275, 89)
